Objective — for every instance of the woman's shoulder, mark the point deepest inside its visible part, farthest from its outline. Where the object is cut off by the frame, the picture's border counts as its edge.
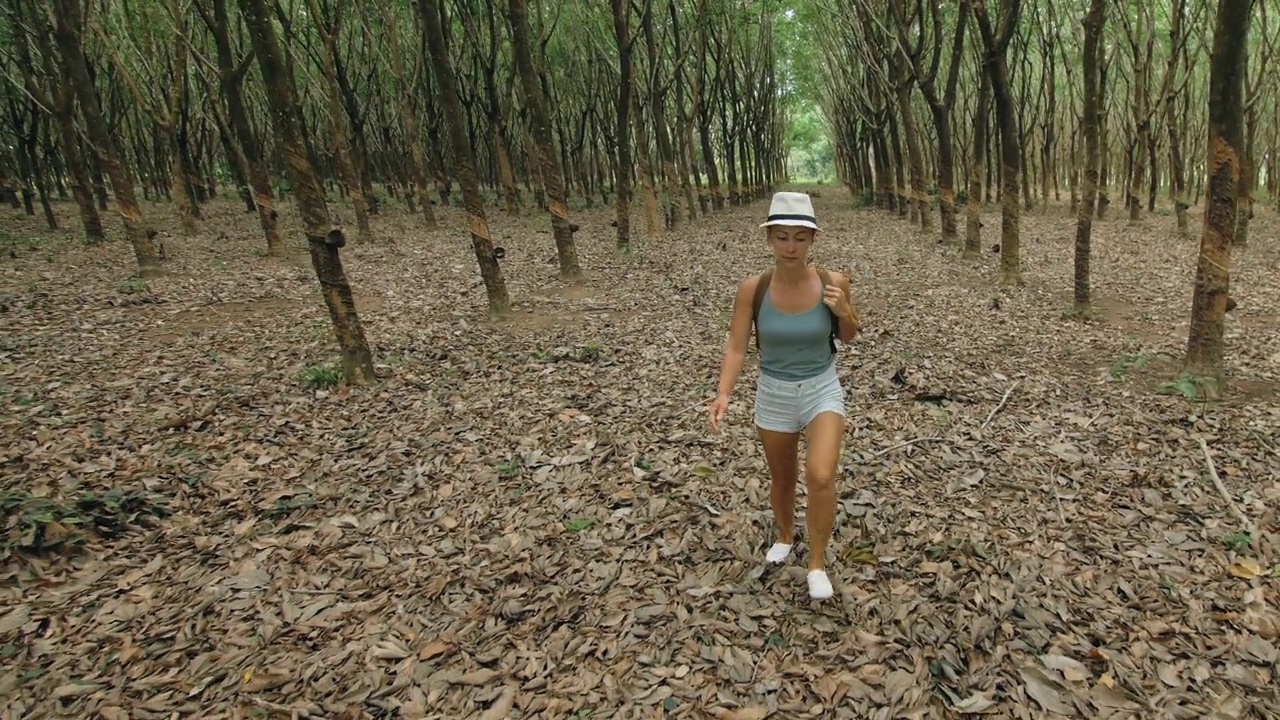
(748, 283)
(751, 280)
(836, 277)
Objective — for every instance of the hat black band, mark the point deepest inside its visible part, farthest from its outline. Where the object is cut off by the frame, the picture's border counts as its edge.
(807, 218)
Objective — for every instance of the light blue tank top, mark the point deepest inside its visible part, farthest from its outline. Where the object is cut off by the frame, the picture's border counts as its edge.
(794, 346)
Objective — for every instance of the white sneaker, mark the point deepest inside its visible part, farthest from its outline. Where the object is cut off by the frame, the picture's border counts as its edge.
(819, 585)
(778, 552)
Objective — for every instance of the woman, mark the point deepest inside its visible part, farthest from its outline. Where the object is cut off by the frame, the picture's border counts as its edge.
(800, 310)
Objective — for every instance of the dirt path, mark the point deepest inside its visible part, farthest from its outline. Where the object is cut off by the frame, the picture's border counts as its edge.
(532, 511)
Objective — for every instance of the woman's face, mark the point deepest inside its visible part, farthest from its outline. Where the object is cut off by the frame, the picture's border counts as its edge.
(790, 243)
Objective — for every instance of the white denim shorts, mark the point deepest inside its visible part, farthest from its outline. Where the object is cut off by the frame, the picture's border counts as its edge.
(788, 405)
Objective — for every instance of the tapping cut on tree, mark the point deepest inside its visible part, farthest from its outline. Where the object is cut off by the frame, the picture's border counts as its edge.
(1205, 345)
(548, 160)
(68, 34)
(463, 159)
(231, 74)
(323, 240)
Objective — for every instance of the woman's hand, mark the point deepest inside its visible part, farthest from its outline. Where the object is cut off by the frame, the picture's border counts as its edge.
(718, 408)
(838, 301)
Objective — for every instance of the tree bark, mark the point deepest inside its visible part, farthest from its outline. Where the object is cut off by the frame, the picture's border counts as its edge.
(328, 30)
(997, 45)
(60, 99)
(463, 159)
(1177, 168)
(919, 198)
(1226, 145)
(1093, 25)
(552, 176)
(981, 122)
(622, 108)
(69, 39)
(409, 116)
(308, 192)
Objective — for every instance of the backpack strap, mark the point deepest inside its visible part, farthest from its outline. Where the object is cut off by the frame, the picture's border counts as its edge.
(762, 286)
(835, 321)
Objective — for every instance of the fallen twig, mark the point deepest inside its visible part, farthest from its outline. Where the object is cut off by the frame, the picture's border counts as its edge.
(1265, 444)
(1222, 489)
(886, 451)
(1003, 400)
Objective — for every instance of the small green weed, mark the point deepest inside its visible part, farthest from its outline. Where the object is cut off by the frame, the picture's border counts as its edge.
(1125, 363)
(1189, 385)
(286, 506)
(135, 285)
(509, 468)
(579, 524)
(1237, 541)
(321, 375)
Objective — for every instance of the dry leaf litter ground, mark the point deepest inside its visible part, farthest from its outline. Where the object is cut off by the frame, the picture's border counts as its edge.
(531, 518)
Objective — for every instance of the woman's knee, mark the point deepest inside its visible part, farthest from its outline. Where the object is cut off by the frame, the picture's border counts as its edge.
(820, 481)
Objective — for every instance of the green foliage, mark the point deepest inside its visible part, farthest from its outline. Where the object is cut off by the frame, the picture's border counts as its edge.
(1189, 385)
(810, 154)
(1125, 363)
(40, 524)
(1238, 540)
(321, 375)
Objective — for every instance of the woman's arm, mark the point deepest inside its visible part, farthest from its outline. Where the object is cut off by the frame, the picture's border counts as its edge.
(735, 349)
(850, 324)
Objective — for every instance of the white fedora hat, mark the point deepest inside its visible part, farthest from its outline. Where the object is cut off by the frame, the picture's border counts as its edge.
(791, 208)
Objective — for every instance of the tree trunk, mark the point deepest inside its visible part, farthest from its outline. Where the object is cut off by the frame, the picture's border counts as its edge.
(684, 144)
(1093, 25)
(308, 191)
(409, 116)
(997, 45)
(1226, 145)
(1177, 168)
(622, 107)
(552, 177)
(652, 214)
(1244, 212)
(339, 119)
(973, 204)
(231, 79)
(919, 198)
(1104, 130)
(61, 101)
(69, 39)
(901, 193)
(703, 109)
(463, 159)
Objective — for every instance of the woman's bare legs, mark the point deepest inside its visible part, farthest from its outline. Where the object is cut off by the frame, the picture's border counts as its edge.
(781, 453)
(825, 434)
